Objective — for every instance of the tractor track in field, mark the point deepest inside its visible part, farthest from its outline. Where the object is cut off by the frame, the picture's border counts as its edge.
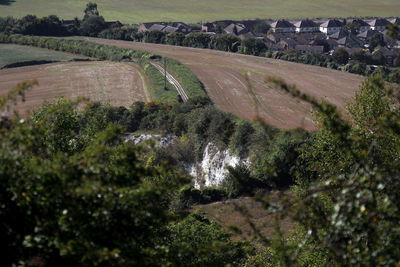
(172, 81)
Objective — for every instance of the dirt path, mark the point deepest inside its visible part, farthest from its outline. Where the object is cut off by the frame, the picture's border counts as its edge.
(118, 84)
(173, 81)
(222, 73)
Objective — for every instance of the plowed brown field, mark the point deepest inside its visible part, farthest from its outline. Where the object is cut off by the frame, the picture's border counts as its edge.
(222, 75)
(118, 84)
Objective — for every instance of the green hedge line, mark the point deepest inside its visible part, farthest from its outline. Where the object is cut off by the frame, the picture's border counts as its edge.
(106, 52)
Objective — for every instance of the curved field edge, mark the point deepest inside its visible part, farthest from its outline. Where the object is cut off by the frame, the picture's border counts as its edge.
(156, 86)
(138, 11)
(15, 55)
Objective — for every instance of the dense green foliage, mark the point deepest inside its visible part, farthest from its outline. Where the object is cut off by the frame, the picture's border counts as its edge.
(74, 193)
(347, 185)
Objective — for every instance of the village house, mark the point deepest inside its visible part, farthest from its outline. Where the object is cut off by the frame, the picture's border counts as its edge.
(288, 44)
(366, 35)
(331, 26)
(395, 21)
(157, 27)
(361, 24)
(306, 26)
(235, 29)
(165, 27)
(144, 27)
(282, 26)
(350, 41)
(182, 27)
(276, 37)
(338, 35)
(379, 24)
(208, 27)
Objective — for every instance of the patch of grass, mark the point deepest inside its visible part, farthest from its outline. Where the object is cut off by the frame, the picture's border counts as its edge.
(156, 84)
(10, 53)
(136, 11)
(192, 86)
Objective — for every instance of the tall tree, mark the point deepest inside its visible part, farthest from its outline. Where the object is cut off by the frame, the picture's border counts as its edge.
(90, 10)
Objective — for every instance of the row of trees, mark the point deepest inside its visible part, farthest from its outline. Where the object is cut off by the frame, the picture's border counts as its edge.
(91, 24)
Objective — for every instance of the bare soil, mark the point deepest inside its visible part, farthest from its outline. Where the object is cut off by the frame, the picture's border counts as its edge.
(118, 84)
(252, 219)
(222, 73)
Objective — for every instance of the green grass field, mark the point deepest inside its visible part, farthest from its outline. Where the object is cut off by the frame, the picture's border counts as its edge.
(10, 53)
(136, 11)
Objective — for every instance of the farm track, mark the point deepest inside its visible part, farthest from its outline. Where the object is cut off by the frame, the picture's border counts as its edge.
(173, 81)
(117, 84)
(223, 75)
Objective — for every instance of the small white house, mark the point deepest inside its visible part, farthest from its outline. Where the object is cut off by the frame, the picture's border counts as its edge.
(331, 26)
(306, 26)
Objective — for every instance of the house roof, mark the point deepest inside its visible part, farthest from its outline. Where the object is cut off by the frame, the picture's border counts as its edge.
(305, 24)
(156, 27)
(395, 21)
(239, 27)
(378, 22)
(282, 24)
(332, 42)
(332, 23)
(208, 24)
(367, 34)
(350, 41)
(339, 35)
(170, 29)
(149, 24)
(179, 24)
(360, 22)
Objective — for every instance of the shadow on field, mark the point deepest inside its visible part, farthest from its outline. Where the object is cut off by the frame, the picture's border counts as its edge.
(6, 2)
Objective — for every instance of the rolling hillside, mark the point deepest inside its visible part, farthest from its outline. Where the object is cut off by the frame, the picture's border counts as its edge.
(136, 11)
(222, 74)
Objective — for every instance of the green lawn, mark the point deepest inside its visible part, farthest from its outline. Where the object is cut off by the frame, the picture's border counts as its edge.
(135, 11)
(10, 53)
